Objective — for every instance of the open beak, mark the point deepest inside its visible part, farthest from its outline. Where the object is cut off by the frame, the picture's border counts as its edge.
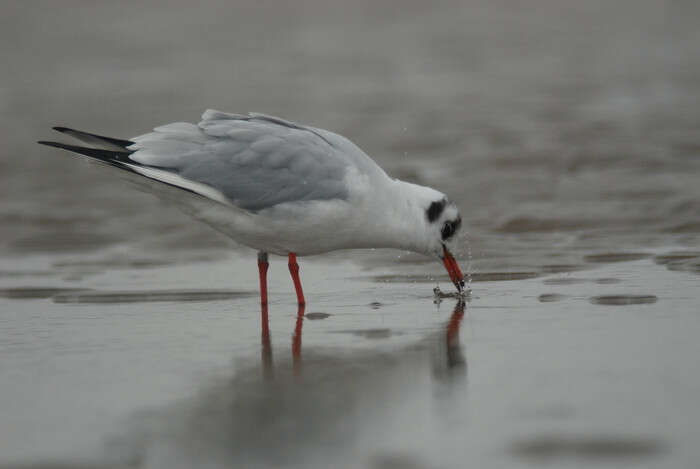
(453, 269)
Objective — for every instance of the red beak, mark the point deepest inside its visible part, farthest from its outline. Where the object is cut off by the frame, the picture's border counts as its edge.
(453, 269)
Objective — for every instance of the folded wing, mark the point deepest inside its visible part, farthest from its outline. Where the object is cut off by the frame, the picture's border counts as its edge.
(255, 161)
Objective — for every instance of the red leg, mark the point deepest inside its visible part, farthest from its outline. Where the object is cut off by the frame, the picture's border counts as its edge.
(294, 270)
(262, 267)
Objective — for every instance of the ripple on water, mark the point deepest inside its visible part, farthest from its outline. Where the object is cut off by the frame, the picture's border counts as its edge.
(63, 241)
(673, 257)
(684, 261)
(595, 448)
(149, 296)
(690, 227)
(501, 276)
(543, 225)
(564, 281)
(620, 300)
(369, 333)
(607, 281)
(693, 267)
(26, 273)
(408, 278)
(616, 257)
(576, 280)
(550, 297)
(396, 460)
(475, 277)
(106, 264)
(561, 268)
(36, 292)
(315, 316)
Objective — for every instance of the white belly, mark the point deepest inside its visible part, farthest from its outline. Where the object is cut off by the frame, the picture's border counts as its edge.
(303, 228)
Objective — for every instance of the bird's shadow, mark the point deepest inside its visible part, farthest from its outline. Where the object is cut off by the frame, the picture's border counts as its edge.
(303, 410)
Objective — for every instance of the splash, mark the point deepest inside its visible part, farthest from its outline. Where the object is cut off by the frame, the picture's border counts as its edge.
(469, 265)
(440, 295)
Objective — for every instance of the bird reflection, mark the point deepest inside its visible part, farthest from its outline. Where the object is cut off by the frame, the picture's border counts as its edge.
(305, 416)
(266, 348)
(296, 340)
(449, 361)
(455, 357)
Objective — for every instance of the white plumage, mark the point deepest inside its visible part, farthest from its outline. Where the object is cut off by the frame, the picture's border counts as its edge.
(282, 187)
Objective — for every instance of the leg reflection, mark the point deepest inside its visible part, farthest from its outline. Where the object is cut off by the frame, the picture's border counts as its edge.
(296, 340)
(266, 344)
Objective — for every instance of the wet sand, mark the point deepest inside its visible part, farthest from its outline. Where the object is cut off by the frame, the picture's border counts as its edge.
(372, 374)
(566, 133)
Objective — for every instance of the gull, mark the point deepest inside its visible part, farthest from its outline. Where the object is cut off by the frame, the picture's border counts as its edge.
(282, 188)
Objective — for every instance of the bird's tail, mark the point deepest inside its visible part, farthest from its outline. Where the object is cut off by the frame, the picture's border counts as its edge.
(112, 151)
(99, 141)
(110, 157)
(116, 153)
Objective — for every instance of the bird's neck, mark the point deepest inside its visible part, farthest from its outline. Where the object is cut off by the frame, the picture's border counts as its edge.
(400, 217)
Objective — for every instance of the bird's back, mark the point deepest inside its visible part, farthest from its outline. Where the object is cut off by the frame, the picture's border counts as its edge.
(255, 161)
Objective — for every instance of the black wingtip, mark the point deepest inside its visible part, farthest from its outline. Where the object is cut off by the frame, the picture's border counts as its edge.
(62, 146)
(94, 139)
(108, 156)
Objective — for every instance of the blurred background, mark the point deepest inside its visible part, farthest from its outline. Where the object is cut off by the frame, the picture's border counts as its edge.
(559, 125)
(567, 133)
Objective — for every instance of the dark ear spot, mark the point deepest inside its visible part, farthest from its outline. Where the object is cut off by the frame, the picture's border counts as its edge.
(435, 210)
(450, 228)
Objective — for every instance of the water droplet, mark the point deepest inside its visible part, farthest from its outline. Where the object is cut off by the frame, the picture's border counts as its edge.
(469, 263)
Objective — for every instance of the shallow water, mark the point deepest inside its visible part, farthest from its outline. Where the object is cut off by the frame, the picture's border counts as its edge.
(370, 376)
(567, 135)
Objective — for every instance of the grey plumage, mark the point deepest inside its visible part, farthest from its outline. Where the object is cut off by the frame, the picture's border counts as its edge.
(254, 162)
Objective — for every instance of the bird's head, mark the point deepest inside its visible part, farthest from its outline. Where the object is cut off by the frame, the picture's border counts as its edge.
(443, 224)
(421, 219)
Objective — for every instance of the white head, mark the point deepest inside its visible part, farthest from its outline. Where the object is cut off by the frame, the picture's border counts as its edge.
(444, 223)
(430, 225)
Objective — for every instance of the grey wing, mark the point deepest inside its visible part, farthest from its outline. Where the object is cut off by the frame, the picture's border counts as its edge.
(253, 162)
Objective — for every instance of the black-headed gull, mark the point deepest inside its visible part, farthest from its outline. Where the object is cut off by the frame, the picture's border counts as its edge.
(282, 188)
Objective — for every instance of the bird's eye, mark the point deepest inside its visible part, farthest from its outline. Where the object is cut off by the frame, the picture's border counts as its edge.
(450, 228)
